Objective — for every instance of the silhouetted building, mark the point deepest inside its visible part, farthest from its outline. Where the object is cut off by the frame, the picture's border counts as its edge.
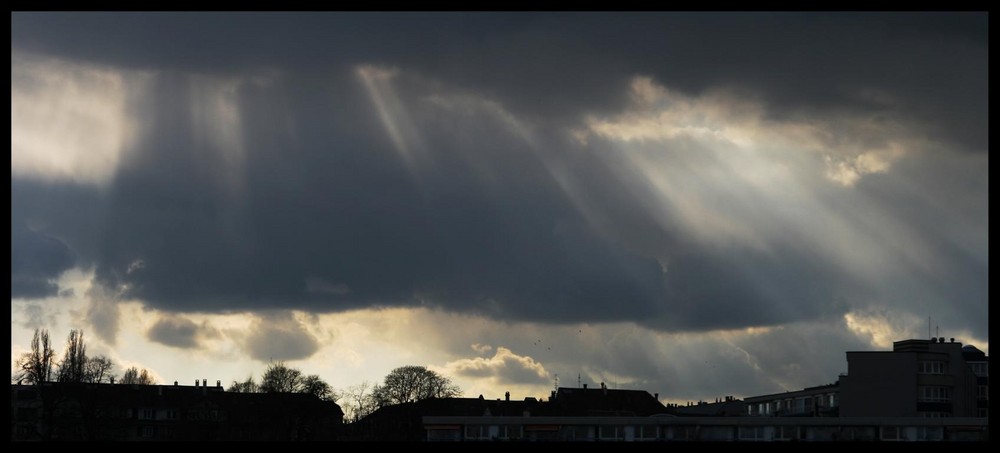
(979, 363)
(728, 406)
(819, 401)
(673, 429)
(918, 378)
(59, 411)
(405, 421)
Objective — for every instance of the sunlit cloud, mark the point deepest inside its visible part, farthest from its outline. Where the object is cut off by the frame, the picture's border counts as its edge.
(69, 121)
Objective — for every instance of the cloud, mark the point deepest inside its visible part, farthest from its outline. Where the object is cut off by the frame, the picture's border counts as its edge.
(36, 261)
(543, 169)
(279, 336)
(504, 367)
(178, 332)
(103, 312)
(38, 316)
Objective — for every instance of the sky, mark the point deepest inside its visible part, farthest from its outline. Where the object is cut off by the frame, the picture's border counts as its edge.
(693, 204)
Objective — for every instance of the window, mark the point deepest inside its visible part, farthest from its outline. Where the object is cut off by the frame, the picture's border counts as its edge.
(931, 367)
(751, 433)
(611, 432)
(890, 433)
(786, 432)
(980, 368)
(147, 414)
(476, 432)
(983, 392)
(983, 412)
(581, 433)
(933, 414)
(934, 394)
(148, 431)
(645, 431)
(800, 405)
(930, 433)
(682, 432)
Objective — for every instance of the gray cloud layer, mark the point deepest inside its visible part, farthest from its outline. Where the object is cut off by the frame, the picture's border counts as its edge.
(36, 261)
(454, 182)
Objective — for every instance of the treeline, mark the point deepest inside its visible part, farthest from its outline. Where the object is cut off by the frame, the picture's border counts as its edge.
(38, 364)
(401, 385)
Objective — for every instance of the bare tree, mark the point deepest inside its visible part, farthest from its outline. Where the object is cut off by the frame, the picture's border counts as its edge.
(135, 376)
(358, 402)
(413, 383)
(35, 366)
(279, 378)
(98, 369)
(247, 386)
(73, 365)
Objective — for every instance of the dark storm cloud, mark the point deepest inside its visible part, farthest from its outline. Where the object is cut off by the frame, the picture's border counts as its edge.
(36, 261)
(177, 331)
(930, 67)
(445, 177)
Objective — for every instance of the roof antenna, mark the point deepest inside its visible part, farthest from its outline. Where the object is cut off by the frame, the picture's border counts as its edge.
(928, 327)
(557, 382)
(578, 381)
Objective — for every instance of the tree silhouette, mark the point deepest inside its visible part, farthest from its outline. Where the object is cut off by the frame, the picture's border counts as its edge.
(35, 366)
(98, 369)
(279, 378)
(358, 402)
(247, 386)
(413, 383)
(317, 386)
(135, 376)
(73, 365)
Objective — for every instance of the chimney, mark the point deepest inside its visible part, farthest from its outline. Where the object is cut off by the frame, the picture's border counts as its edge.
(218, 383)
(195, 382)
(506, 396)
(175, 383)
(657, 396)
(552, 396)
(204, 382)
(585, 386)
(112, 379)
(952, 340)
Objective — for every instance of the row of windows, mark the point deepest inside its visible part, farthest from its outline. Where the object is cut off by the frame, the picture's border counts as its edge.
(932, 367)
(151, 414)
(793, 405)
(933, 394)
(912, 433)
(980, 368)
(493, 432)
(719, 433)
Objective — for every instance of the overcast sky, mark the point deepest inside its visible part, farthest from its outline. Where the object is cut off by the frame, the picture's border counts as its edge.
(694, 204)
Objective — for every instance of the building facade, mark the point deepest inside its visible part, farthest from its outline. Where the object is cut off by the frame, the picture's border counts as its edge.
(918, 378)
(685, 429)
